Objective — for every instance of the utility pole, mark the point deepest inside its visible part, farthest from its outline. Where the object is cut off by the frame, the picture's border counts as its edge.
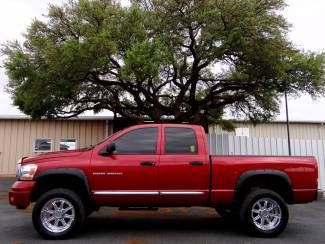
(287, 117)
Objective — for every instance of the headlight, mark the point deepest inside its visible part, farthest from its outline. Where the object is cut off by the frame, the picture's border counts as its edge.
(26, 172)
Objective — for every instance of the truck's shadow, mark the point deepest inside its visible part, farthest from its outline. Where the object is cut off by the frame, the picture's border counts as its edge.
(179, 220)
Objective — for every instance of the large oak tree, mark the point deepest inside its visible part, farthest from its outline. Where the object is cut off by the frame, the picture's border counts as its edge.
(183, 60)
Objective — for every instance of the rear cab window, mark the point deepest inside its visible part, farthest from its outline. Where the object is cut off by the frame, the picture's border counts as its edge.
(180, 141)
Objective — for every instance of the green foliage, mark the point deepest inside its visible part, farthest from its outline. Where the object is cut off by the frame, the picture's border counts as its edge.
(177, 59)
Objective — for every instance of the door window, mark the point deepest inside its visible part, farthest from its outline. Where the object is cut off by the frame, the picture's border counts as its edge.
(138, 141)
(180, 141)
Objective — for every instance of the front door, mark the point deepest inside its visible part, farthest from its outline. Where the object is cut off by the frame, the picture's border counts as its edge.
(129, 176)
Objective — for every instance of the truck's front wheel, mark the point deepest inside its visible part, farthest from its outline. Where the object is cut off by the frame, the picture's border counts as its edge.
(264, 213)
(58, 214)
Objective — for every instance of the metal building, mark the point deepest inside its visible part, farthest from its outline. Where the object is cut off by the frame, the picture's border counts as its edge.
(21, 136)
(277, 129)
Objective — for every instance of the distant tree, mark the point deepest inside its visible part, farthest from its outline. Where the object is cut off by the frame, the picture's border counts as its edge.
(184, 60)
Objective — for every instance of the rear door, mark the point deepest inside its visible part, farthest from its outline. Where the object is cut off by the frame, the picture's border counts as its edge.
(184, 166)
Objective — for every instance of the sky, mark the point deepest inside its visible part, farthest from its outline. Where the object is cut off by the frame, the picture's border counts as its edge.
(306, 16)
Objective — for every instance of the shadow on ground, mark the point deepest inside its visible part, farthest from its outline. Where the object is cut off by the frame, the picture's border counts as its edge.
(165, 220)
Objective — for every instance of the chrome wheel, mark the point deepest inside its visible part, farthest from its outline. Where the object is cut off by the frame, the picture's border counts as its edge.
(57, 215)
(266, 214)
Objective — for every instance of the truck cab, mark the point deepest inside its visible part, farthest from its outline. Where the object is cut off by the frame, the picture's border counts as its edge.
(165, 165)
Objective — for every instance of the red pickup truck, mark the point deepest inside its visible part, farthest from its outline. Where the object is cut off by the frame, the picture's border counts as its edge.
(161, 165)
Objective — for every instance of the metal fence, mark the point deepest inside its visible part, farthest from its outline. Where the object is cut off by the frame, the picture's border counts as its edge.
(236, 145)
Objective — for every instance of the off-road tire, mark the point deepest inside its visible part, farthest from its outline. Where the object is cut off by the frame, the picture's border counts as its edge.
(246, 213)
(76, 223)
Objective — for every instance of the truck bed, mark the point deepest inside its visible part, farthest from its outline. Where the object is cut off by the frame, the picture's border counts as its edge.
(228, 171)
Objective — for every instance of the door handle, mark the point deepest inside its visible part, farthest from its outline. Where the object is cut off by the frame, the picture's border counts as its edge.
(196, 163)
(148, 163)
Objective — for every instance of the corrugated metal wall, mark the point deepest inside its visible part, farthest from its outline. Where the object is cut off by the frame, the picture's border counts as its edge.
(315, 131)
(238, 145)
(17, 137)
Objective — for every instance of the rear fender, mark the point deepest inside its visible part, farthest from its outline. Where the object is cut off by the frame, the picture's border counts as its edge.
(275, 180)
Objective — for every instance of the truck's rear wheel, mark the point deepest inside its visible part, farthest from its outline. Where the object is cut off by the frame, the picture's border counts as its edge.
(264, 213)
(58, 214)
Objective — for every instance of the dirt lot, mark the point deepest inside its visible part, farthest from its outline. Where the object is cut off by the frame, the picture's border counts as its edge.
(178, 225)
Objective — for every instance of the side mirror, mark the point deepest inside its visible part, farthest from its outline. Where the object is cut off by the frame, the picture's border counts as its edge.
(108, 150)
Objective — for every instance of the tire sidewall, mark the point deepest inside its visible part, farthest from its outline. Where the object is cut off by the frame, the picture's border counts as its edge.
(247, 220)
(73, 199)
